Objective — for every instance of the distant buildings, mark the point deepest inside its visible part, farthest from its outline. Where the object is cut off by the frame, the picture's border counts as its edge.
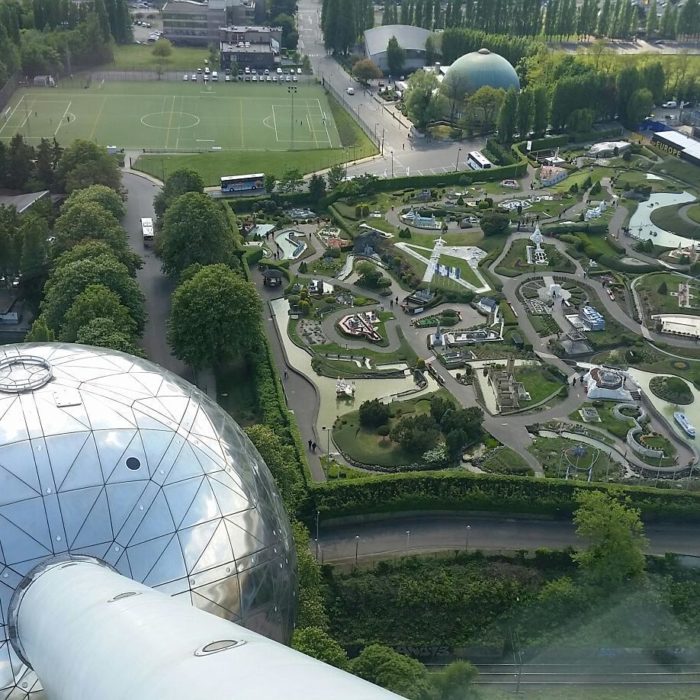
(605, 149)
(411, 40)
(199, 23)
(251, 47)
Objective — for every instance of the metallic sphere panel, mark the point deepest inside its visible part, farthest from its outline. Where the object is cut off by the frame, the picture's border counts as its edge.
(108, 455)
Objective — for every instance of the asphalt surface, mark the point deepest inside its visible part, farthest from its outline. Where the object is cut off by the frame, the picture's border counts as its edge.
(435, 532)
(155, 286)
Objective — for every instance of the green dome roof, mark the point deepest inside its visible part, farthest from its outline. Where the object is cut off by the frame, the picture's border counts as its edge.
(474, 70)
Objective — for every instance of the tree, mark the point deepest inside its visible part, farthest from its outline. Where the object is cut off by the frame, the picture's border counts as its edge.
(101, 333)
(540, 112)
(482, 107)
(639, 106)
(335, 176)
(177, 183)
(652, 19)
(653, 77)
(106, 197)
(318, 644)
(291, 180)
(317, 188)
(68, 281)
(615, 536)
(387, 668)
(507, 117)
(373, 413)
(91, 248)
(365, 70)
(194, 231)
(420, 99)
(84, 163)
(162, 49)
(416, 434)
(395, 56)
(96, 301)
(369, 275)
(626, 82)
(215, 317)
(40, 332)
(453, 681)
(439, 405)
(663, 288)
(455, 442)
(269, 182)
(495, 224)
(281, 461)
(34, 234)
(526, 108)
(20, 158)
(44, 163)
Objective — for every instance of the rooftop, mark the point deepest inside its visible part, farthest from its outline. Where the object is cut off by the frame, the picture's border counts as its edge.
(409, 38)
(685, 143)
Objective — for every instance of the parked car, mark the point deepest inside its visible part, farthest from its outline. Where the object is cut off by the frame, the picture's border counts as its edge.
(298, 71)
(279, 71)
(194, 77)
(671, 104)
(185, 77)
(227, 79)
(350, 90)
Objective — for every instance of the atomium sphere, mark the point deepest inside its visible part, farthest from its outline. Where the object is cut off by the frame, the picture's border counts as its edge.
(110, 456)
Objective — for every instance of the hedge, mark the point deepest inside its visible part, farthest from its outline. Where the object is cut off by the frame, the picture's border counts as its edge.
(576, 227)
(621, 266)
(489, 492)
(247, 204)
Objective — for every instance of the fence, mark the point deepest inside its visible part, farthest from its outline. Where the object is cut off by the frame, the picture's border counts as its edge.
(354, 113)
(8, 89)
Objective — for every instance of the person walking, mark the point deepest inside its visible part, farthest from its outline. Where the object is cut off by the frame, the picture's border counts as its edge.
(310, 443)
(313, 447)
(286, 374)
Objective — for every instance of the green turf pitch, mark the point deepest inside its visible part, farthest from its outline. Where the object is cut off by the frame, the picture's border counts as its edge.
(176, 116)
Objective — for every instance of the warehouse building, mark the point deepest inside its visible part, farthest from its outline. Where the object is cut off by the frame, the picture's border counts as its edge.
(411, 40)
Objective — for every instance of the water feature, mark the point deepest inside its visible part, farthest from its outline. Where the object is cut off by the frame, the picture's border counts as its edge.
(365, 389)
(289, 243)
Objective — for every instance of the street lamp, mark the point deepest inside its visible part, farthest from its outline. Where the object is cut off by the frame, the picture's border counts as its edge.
(459, 151)
(357, 547)
(318, 515)
(376, 124)
(328, 439)
(466, 549)
(392, 163)
(292, 90)
(408, 539)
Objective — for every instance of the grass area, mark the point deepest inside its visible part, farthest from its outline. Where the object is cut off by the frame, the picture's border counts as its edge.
(180, 116)
(550, 453)
(128, 57)
(671, 389)
(680, 169)
(693, 212)
(538, 381)
(579, 177)
(608, 421)
(598, 245)
(503, 460)
(465, 269)
(350, 134)
(544, 325)
(633, 178)
(655, 291)
(669, 219)
(515, 261)
(366, 446)
(236, 392)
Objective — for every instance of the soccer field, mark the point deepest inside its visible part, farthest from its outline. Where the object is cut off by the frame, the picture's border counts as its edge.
(176, 116)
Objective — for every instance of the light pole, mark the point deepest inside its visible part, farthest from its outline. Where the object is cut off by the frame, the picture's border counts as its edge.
(357, 547)
(318, 515)
(392, 164)
(376, 124)
(408, 540)
(383, 130)
(292, 90)
(459, 151)
(466, 549)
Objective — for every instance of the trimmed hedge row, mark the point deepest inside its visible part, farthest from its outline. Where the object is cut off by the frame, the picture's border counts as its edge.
(489, 492)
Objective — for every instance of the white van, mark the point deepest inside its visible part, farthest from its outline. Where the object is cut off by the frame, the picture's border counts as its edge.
(350, 91)
(215, 77)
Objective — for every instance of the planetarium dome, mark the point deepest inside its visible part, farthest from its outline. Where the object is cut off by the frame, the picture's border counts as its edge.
(477, 69)
(111, 457)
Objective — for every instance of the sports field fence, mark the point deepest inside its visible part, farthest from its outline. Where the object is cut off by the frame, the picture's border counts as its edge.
(339, 97)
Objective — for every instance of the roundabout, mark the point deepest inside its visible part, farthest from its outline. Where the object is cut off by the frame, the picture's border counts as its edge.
(170, 120)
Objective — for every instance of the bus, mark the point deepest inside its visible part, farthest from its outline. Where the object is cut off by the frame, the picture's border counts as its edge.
(477, 161)
(147, 230)
(232, 184)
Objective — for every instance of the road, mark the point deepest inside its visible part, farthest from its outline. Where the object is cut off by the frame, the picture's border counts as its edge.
(406, 535)
(401, 155)
(155, 286)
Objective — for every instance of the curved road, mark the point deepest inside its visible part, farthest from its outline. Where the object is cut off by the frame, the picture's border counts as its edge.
(385, 537)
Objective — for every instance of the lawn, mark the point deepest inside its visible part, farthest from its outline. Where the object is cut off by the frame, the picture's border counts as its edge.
(366, 446)
(608, 421)
(178, 116)
(129, 57)
(550, 453)
(538, 381)
(503, 460)
(544, 325)
(693, 212)
(651, 288)
(515, 261)
(465, 270)
(579, 177)
(669, 219)
(680, 169)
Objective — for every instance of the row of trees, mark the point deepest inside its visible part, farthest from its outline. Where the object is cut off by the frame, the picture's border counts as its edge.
(557, 19)
(91, 295)
(54, 36)
(344, 21)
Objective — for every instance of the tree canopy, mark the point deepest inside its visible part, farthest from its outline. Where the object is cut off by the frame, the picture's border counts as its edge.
(96, 301)
(84, 163)
(395, 56)
(106, 197)
(194, 231)
(365, 70)
(177, 183)
(215, 316)
(318, 644)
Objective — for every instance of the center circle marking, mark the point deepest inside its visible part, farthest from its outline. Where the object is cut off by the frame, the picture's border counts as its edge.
(170, 120)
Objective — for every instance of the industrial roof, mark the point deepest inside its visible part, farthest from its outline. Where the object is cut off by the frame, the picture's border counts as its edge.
(673, 138)
(411, 38)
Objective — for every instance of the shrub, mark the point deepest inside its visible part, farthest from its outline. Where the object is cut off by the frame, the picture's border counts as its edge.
(383, 430)
(373, 413)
